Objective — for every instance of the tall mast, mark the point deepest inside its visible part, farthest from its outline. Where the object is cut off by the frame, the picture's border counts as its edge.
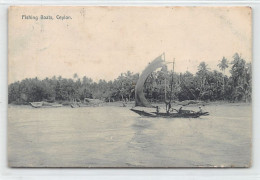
(165, 92)
(173, 65)
(172, 78)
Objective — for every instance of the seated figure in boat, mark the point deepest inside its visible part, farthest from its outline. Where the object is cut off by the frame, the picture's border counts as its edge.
(200, 110)
(157, 109)
(180, 110)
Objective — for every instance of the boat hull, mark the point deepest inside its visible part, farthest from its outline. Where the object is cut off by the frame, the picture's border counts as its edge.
(44, 105)
(170, 115)
(36, 104)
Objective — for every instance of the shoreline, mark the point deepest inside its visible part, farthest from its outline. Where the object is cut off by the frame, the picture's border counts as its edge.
(131, 104)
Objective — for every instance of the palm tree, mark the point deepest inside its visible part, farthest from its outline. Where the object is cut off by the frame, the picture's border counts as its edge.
(239, 77)
(75, 76)
(202, 73)
(223, 64)
(203, 67)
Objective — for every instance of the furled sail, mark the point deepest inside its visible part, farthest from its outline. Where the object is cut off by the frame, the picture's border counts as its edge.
(140, 99)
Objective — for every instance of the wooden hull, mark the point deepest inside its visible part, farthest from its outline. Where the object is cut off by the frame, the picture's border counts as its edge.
(77, 105)
(44, 105)
(170, 115)
(36, 104)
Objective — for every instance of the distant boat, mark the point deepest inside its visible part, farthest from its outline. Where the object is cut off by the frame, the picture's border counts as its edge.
(36, 104)
(56, 105)
(141, 101)
(43, 104)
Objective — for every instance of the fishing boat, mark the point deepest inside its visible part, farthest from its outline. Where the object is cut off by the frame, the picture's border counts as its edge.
(147, 108)
(170, 115)
(43, 104)
(36, 104)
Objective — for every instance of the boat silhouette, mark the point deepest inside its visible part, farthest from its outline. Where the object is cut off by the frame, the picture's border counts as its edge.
(147, 108)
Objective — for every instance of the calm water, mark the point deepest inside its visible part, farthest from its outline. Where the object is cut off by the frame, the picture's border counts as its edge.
(116, 137)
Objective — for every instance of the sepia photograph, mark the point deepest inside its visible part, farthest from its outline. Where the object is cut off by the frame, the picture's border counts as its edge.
(129, 86)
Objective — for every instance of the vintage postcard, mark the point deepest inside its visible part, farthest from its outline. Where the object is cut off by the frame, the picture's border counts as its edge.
(129, 86)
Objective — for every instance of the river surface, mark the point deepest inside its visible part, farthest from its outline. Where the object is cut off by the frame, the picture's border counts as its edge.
(117, 137)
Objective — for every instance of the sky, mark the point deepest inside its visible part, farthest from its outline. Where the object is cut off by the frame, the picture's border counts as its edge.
(103, 42)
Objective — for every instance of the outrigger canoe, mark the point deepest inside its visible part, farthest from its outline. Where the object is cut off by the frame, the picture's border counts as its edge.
(170, 115)
(141, 101)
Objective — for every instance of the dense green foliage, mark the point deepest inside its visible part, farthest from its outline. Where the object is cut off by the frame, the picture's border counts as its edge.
(204, 85)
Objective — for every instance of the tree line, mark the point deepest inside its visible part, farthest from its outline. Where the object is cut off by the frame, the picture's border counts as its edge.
(205, 84)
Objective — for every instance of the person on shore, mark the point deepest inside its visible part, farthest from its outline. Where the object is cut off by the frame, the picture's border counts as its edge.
(200, 109)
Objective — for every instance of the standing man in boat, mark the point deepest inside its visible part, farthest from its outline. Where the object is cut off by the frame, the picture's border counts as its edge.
(168, 103)
(168, 106)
